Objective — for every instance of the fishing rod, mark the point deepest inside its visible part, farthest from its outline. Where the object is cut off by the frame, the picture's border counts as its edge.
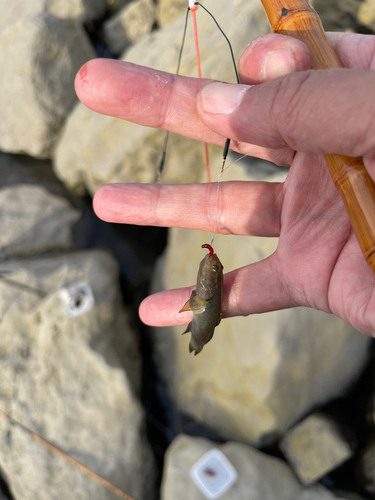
(298, 19)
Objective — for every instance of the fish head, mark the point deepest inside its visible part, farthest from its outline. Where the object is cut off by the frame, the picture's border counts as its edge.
(210, 273)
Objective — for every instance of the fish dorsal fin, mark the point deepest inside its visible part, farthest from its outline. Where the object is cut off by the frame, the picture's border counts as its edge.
(195, 303)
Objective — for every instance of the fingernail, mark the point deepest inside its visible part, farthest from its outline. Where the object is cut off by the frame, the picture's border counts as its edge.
(222, 97)
(278, 63)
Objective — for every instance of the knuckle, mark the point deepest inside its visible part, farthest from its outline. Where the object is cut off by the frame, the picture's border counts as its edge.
(290, 107)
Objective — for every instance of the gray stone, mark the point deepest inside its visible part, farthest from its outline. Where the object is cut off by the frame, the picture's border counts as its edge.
(259, 476)
(39, 57)
(96, 149)
(34, 221)
(71, 380)
(261, 373)
(129, 25)
(315, 447)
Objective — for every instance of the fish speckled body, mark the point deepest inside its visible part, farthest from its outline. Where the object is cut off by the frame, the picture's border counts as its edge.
(205, 302)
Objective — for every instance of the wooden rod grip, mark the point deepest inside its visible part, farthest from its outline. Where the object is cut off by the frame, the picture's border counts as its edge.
(298, 19)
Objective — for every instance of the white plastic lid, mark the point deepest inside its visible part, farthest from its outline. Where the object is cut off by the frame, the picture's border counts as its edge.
(213, 474)
(77, 299)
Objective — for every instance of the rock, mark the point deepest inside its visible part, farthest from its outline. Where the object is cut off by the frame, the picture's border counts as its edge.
(169, 10)
(71, 380)
(259, 476)
(81, 10)
(261, 373)
(366, 14)
(34, 221)
(96, 149)
(129, 25)
(345, 495)
(22, 169)
(337, 15)
(36, 214)
(39, 57)
(315, 447)
(366, 466)
(318, 492)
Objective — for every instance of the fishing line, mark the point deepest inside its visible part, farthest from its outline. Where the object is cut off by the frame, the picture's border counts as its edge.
(162, 161)
(235, 161)
(227, 142)
(191, 8)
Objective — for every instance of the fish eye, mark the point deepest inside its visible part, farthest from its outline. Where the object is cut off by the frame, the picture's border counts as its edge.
(215, 269)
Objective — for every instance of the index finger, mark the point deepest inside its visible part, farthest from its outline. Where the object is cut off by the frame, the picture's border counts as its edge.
(156, 99)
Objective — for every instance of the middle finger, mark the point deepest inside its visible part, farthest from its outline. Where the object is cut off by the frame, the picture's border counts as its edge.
(242, 208)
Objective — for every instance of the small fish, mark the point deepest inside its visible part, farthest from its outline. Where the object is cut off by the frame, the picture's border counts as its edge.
(205, 301)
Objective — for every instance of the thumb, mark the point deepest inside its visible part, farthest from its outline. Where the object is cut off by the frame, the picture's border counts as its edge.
(328, 111)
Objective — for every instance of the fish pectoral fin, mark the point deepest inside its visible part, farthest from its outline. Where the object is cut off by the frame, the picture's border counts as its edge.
(194, 303)
(187, 306)
(188, 329)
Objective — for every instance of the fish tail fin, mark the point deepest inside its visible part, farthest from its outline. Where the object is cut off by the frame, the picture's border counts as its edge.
(188, 329)
(194, 348)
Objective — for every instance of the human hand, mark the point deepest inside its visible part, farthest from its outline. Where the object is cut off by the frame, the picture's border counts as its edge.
(290, 120)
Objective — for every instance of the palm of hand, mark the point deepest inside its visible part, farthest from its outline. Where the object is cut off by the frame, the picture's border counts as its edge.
(318, 257)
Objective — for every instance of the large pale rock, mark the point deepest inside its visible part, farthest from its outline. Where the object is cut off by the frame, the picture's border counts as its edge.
(259, 476)
(169, 10)
(39, 57)
(34, 221)
(129, 25)
(261, 373)
(71, 380)
(96, 149)
(82, 10)
(315, 447)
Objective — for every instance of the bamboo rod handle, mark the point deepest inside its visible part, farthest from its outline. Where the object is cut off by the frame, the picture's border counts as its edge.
(298, 19)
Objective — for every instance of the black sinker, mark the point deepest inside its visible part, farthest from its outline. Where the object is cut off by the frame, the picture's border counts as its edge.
(284, 12)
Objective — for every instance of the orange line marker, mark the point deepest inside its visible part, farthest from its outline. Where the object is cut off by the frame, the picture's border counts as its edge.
(193, 8)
